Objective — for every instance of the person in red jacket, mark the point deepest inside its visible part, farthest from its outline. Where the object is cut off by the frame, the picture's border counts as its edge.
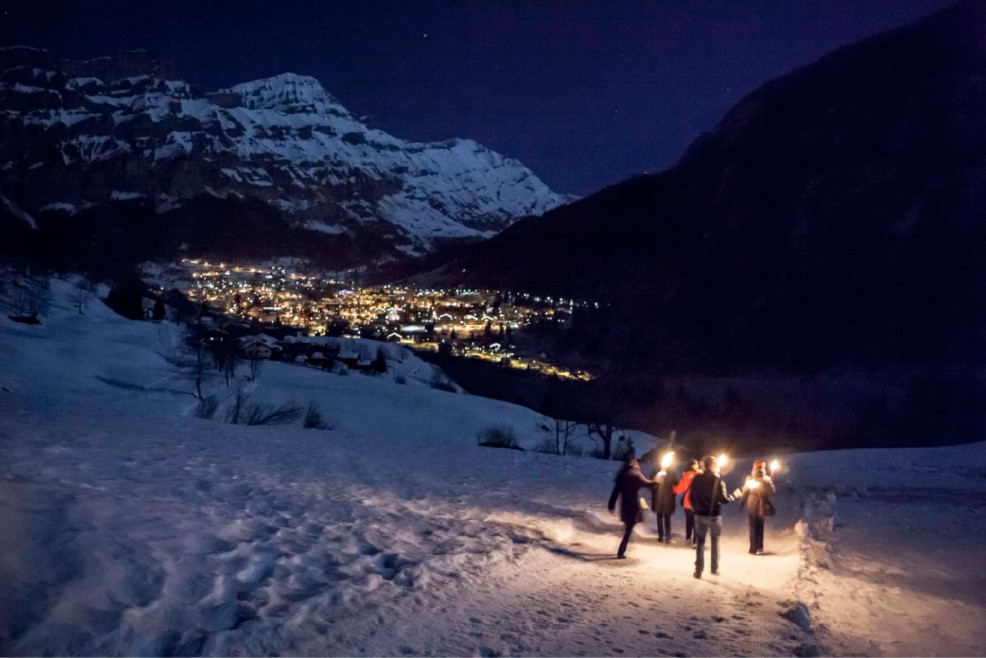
(683, 487)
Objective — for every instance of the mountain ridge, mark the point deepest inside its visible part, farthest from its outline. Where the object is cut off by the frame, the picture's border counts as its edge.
(72, 140)
(831, 215)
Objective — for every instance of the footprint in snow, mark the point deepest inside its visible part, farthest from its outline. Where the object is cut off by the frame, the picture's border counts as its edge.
(207, 544)
(257, 570)
(244, 613)
(218, 617)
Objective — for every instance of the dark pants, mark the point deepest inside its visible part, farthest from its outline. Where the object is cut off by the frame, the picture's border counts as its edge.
(663, 527)
(705, 525)
(756, 533)
(690, 526)
(627, 531)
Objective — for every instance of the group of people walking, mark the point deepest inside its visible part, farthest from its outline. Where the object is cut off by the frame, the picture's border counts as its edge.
(703, 493)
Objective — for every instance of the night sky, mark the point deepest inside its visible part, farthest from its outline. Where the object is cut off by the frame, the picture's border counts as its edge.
(584, 93)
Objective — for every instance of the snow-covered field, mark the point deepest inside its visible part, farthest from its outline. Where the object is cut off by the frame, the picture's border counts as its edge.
(131, 526)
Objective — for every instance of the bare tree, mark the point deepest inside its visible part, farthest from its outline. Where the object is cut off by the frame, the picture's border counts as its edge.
(243, 411)
(601, 411)
(81, 296)
(236, 409)
(207, 407)
(32, 299)
(603, 431)
(265, 414)
(256, 366)
(199, 368)
(565, 434)
(230, 361)
(557, 403)
(379, 365)
(314, 419)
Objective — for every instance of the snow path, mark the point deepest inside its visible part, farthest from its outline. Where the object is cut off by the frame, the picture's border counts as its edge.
(132, 527)
(162, 549)
(144, 546)
(576, 599)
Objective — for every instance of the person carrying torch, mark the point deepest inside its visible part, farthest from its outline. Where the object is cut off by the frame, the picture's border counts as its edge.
(663, 498)
(628, 483)
(707, 495)
(755, 495)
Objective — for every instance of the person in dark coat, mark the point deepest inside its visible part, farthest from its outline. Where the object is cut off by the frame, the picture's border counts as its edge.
(629, 481)
(755, 496)
(707, 495)
(663, 503)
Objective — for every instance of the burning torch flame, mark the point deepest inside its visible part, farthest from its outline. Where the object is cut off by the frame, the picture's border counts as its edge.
(775, 465)
(666, 460)
(752, 484)
(722, 460)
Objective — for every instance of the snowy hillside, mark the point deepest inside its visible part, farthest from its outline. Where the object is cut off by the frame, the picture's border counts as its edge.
(134, 527)
(77, 134)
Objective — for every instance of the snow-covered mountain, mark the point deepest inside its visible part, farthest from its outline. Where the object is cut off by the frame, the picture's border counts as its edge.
(76, 135)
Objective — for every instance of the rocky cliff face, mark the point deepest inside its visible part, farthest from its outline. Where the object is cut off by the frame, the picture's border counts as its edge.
(77, 137)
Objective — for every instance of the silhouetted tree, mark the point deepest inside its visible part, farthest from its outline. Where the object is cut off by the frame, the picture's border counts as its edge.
(81, 296)
(601, 410)
(380, 362)
(31, 299)
(256, 367)
(557, 404)
(230, 361)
